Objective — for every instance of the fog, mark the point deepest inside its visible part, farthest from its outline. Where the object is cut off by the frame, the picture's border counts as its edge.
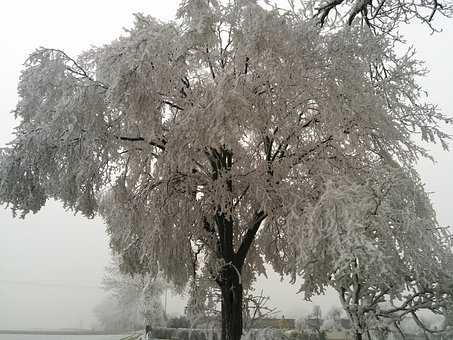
(52, 263)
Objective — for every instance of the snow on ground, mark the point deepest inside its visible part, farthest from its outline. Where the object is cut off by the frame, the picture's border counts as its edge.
(59, 337)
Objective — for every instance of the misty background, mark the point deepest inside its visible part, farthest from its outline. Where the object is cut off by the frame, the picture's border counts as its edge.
(52, 263)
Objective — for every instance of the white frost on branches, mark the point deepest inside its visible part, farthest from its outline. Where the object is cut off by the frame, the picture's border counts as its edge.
(379, 245)
(133, 301)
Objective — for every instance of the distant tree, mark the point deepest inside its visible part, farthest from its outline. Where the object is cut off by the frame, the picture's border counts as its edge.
(333, 319)
(201, 141)
(112, 317)
(316, 314)
(314, 322)
(334, 313)
(379, 246)
(133, 301)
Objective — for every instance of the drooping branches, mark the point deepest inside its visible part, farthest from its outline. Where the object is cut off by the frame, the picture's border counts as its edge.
(396, 263)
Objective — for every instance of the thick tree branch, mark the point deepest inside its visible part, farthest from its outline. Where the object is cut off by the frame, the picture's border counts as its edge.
(300, 158)
(173, 105)
(249, 236)
(211, 67)
(141, 139)
(238, 200)
(324, 11)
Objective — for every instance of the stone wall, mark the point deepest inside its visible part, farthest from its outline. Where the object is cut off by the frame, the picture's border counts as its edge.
(185, 334)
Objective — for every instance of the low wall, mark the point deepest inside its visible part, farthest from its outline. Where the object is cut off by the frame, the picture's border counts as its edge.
(58, 332)
(185, 334)
(210, 334)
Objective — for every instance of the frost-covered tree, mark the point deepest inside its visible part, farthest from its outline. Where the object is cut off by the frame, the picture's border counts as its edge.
(133, 300)
(314, 322)
(334, 314)
(111, 317)
(333, 321)
(379, 246)
(201, 141)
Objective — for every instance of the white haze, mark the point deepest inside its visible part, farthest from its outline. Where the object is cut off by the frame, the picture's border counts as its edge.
(52, 263)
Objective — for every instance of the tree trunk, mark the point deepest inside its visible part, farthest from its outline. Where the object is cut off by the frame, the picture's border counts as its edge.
(231, 289)
(358, 336)
(229, 279)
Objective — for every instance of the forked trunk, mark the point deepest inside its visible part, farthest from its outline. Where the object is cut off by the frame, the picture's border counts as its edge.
(231, 289)
(229, 279)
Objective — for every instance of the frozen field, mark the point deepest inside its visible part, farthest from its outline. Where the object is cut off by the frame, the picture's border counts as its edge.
(59, 337)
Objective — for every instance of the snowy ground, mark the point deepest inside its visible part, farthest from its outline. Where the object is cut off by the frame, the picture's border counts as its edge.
(59, 337)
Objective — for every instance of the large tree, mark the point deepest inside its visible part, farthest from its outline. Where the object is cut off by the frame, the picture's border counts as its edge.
(199, 140)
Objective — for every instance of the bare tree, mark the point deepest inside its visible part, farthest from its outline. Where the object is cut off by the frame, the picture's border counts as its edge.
(314, 322)
(256, 307)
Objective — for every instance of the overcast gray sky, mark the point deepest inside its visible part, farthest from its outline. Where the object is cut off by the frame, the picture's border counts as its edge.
(51, 263)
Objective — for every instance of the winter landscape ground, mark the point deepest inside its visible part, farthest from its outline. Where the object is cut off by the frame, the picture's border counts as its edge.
(59, 337)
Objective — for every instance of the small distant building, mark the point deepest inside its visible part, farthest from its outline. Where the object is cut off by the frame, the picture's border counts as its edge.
(339, 335)
(275, 323)
(338, 325)
(341, 329)
(313, 323)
